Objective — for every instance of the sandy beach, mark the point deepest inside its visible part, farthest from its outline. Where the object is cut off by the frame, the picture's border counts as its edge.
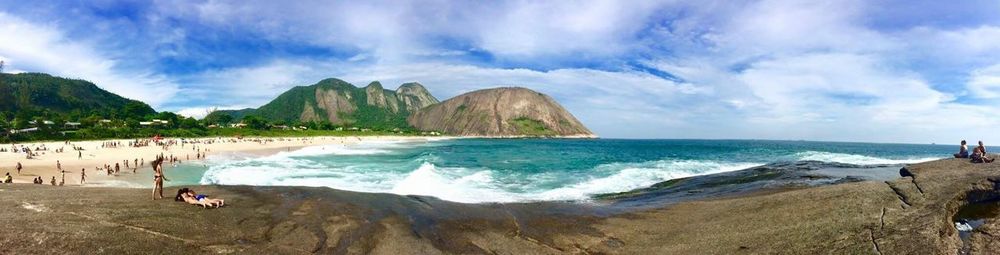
(96, 154)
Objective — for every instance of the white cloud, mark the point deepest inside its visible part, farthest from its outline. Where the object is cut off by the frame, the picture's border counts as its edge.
(248, 86)
(779, 69)
(395, 31)
(526, 29)
(815, 71)
(985, 82)
(201, 112)
(44, 48)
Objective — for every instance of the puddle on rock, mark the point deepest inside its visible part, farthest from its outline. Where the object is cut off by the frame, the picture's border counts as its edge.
(972, 216)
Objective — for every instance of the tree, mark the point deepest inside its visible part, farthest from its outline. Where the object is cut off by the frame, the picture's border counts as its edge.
(255, 122)
(225, 119)
(136, 110)
(172, 118)
(19, 123)
(189, 123)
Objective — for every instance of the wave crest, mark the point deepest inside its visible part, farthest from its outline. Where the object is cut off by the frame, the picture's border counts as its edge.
(854, 158)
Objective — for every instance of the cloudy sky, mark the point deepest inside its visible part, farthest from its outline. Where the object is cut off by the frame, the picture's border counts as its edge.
(883, 70)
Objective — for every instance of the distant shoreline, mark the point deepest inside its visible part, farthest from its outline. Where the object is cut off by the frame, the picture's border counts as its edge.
(94, 155)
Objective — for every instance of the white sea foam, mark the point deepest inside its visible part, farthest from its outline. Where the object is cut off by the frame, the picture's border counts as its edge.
(855, 159)
(479, 186)
(334, 149)
(463, 184)
(419, 175)
(639, 175)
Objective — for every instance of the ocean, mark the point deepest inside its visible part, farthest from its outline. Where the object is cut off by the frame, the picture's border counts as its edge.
(521, 170)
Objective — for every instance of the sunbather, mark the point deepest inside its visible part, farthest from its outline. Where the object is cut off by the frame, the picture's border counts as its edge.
(204, 198)
(189, 196)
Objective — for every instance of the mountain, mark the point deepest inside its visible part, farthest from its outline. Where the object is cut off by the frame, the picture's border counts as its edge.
(35, 94)
(499, 112)
(341, 103)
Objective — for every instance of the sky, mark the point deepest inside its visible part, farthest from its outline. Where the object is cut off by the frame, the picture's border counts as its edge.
(880, 70)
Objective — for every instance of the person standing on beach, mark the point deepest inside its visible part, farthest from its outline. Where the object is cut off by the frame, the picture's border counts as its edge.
(83, 176)
(158, 178)
(18, 167)
(79, 155)
(59, 166)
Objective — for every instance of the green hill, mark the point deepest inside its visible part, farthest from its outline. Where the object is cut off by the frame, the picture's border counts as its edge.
(340, 103)
(41, 95)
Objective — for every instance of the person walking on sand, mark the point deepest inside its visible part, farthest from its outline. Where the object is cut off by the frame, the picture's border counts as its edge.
(59, 166)
(83, 176)
(79, 155)
(18, 167)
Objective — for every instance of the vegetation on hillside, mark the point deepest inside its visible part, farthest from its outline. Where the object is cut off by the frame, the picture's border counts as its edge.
(28, 95)
(42, 107)
(532, 127)
(287, 108)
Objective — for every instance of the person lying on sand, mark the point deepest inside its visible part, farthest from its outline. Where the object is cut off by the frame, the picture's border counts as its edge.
(963, 151)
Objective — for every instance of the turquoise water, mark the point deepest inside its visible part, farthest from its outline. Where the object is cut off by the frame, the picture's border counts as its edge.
(484, 170)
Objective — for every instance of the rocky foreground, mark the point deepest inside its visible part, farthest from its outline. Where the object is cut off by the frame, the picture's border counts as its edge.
(909, 215)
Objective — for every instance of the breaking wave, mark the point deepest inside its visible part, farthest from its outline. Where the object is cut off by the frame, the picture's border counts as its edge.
(855, 159)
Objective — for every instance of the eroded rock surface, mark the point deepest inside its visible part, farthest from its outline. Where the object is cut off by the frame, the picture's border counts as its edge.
(908, 215)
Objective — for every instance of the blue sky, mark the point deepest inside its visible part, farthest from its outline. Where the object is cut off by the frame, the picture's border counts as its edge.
(885, 71)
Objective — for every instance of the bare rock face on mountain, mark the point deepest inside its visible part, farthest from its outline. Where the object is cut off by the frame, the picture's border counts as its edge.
(333, 102)
(376, 97)
(500, 112)
(414, 96)
(341, 103)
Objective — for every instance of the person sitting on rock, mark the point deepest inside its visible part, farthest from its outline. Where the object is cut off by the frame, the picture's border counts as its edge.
(979, 154)
(963, 152)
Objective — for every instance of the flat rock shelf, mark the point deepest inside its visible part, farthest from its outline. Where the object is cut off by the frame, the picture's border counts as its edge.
(912, 214)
